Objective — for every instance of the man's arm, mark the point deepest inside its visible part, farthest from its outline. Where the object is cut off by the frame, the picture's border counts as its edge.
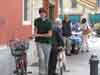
(48, 34)
(60, 36)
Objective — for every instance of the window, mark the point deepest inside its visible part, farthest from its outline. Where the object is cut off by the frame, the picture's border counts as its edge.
(36, 4)
(27, 12)
(25, 9)
(98, 3)
(74, 3)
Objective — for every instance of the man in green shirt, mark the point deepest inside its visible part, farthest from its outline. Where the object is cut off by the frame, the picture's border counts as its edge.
(43, 39)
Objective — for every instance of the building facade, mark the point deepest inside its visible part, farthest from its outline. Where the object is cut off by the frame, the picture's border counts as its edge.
(17, 17)
(11, 22)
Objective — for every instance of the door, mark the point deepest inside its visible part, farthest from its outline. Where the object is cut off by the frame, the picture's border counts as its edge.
(51, 11)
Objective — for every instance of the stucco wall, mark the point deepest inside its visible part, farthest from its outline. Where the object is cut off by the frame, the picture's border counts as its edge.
(11, 20)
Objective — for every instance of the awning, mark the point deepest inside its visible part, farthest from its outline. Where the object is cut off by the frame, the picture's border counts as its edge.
(91, 4)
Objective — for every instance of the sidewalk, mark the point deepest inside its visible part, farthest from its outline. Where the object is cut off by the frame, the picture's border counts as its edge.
(6, 61)
(77, 64)
(32, 53)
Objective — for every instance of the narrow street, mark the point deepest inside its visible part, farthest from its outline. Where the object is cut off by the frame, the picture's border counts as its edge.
(28, 19)
(77, 64)
(6, 62)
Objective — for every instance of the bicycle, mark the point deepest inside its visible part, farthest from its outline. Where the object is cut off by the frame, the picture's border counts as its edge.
(60, 62)
(18, 50)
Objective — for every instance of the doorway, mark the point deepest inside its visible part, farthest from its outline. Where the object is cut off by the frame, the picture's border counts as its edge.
(51, 11)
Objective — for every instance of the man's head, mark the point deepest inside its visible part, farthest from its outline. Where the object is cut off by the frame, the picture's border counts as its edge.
(83, 20)
(65, 17)
(58, 22)
(42, 12)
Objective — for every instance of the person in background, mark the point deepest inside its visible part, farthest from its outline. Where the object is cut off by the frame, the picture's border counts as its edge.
(43, 39)
(85, 31)
(57, 43)
(67, 32)
(76, 38)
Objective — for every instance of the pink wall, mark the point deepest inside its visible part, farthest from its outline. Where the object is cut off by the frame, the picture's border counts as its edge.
(11, 21)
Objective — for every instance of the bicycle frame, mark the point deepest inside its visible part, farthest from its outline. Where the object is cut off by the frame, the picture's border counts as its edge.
(18, 50)
(21, 64)
(60, 62)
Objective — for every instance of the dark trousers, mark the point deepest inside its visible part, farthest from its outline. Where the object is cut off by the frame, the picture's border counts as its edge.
(52, 61)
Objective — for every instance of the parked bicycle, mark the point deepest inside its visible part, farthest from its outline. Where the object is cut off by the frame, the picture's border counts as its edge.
(18, 50)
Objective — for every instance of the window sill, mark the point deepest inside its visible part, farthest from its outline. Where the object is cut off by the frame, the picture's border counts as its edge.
(27, 23)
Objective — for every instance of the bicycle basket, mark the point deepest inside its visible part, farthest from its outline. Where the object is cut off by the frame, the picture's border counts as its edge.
(18, 47)
(17, 52)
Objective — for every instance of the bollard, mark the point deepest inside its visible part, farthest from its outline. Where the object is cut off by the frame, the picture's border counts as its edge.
(94, 61)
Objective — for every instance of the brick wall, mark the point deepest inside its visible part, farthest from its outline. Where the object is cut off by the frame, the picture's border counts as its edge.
(46, 6)
(56, 9)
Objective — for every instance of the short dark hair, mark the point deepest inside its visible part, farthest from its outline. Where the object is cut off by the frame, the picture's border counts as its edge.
(42, 10)
(83, 20)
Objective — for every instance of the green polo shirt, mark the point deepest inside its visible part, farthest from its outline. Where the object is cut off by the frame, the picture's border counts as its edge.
(43, 27)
